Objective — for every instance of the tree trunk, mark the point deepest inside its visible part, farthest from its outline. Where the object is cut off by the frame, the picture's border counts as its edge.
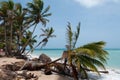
(24, 46)
(10, 51)
(6, 50)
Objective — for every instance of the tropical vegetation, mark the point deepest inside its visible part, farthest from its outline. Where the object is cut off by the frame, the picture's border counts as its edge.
(86, 57)
(18, 25)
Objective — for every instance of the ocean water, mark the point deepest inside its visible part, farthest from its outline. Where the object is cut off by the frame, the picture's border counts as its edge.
(113, 57)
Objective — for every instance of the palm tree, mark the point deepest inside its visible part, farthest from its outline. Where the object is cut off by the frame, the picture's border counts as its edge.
(19, 27)
(47, 33)
(2, 42)
(36, 15)
(71, 41)
(7, 15)
(17, 20)
(31, 42)
(3, 15)
(88, 56)
(11, 15)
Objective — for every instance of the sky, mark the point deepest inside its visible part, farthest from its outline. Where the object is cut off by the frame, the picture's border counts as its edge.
(100, 21)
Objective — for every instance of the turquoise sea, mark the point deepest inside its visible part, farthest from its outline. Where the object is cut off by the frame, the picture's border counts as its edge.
(113, 61)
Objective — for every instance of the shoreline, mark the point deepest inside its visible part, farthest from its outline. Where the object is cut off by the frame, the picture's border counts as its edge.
(114, 74)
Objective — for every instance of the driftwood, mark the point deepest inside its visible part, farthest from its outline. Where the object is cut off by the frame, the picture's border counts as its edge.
(33, 65)
(30, 65)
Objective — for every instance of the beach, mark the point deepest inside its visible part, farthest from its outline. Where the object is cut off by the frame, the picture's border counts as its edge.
(114, 74)
(40, 74)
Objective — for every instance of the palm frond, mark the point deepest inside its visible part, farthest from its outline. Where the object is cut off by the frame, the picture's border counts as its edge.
(69, 35)
(46, 10)
(11, 4)
(4, 5)
(76, 35)
(31, 6)
(83, 73)
(97, 47)
(84, 51)
(39, 4)
(46, 15)
(87, 62)
(18, 7)
(50, 31)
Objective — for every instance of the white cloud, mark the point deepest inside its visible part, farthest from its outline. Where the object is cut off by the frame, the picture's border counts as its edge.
(93, 3)
(89, 3)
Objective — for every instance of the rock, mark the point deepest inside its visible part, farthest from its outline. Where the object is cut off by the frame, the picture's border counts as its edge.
(7, 75)
(35, 59)
(47, 72)
(14, 66)
(44, 58)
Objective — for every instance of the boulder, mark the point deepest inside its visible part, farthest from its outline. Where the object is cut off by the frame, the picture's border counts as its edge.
(7, 75)
(44, 58)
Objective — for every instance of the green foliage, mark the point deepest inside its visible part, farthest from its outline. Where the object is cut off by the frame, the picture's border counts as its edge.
(47, 33)
(89, 56)
(72, 37)
(37, 13)
(2, 45)
(97, 47)
(16, 22)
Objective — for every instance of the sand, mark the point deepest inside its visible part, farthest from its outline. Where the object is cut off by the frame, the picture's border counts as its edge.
(40, 74)
(114, 74)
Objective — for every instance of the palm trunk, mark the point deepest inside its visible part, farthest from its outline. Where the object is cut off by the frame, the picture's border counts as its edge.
(33, 48)
(28, 40)
(10, 48)
(6, 51)
(37, 45)
(74, 71)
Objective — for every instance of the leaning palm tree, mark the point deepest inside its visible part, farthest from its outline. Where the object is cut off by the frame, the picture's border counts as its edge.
(86, 57)
(47, 33)
(31, 42)
(71, 41)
